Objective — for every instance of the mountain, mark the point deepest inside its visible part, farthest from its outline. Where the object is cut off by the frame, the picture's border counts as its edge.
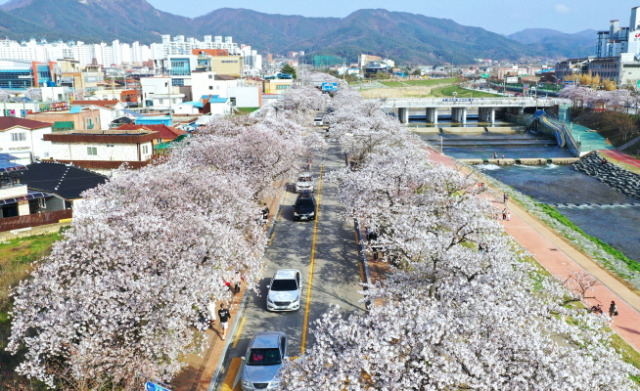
(405, 37)
(96, 20)
(411, 38)
(269, 33)
(557, 43)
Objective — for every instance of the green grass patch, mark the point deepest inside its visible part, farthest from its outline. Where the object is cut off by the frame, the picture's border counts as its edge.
(562, 219)
(460, 93)
(247, 110)
(393, 84)
(16, 258)
(419, 83)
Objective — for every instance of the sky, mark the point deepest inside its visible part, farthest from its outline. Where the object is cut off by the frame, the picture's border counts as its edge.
(498, 16)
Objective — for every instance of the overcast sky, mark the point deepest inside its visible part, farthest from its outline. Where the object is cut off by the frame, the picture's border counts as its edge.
(500, 16)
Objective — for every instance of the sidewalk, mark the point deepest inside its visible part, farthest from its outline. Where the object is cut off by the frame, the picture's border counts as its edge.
(560, 258)
(200, 369)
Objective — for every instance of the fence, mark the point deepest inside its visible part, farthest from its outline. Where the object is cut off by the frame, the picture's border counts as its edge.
(34, 220)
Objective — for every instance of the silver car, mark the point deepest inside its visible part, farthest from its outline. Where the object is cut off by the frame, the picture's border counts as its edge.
(304, 182)
(263, 360)
(284, 291)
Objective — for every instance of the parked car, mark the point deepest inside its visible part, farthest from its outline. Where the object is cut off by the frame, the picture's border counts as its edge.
(304, 182)
(305, 206)
(263, 360)
(284, 291)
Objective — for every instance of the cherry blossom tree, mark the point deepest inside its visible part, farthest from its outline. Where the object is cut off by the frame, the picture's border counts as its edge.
(125, 293)
(461, 309)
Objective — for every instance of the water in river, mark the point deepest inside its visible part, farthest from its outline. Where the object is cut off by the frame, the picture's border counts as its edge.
(593, 206)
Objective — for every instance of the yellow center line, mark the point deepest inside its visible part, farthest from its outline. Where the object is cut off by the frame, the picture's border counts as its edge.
(305, 323)
(236, 338)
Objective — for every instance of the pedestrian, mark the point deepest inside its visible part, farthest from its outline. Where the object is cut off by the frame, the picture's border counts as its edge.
(505, 198)
(237, 282)
(613, 309)
(508, 216)
(504, 214)
(224, 315)
(211, 308)
(495, 155)
(503, 155)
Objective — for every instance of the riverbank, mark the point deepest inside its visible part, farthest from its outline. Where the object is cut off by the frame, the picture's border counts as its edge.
(555, 251)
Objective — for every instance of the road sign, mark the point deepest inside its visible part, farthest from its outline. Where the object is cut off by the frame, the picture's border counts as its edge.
(151, 386)
(329, 86)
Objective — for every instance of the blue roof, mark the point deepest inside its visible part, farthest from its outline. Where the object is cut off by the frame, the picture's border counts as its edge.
(194, 104)
(7, 164)
(75, 110)
(218, 100)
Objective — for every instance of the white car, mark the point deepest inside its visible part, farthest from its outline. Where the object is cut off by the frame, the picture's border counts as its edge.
(304, 182)
(284, 291)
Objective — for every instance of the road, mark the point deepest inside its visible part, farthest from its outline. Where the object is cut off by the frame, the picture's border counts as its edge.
(325, 252)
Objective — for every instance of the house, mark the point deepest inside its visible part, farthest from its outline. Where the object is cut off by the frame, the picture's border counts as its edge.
(158, 93)
(64, 183)
(245, 96)
(217, 105)
(102, 151)
(109, 109)
(23, 138)
(40, 193)
(82, 118)
(165, 133)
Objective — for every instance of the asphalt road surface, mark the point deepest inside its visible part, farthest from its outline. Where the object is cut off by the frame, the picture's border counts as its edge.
(325, 252)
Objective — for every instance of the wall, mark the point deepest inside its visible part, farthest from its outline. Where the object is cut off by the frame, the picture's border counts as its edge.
(245, 96)
(105, 152)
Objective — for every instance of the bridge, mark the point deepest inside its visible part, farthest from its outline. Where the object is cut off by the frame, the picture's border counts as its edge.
(460, 107)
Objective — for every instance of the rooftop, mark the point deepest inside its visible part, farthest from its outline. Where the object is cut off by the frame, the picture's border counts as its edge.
(7, 123)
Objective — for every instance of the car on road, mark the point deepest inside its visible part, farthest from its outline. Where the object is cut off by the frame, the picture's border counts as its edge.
(305, 206)
(304, 182)
(284, 291)
(263, 360)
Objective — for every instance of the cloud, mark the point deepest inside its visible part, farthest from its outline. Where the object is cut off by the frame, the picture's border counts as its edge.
(562, 9)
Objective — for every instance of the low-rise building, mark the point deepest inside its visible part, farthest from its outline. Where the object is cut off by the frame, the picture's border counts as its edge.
(102, 151)
(82, 118)
(23, 138)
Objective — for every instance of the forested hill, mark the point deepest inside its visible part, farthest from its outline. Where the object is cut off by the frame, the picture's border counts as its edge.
(405, 37)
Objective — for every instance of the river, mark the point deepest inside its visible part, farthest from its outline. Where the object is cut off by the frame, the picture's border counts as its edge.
(593, 206)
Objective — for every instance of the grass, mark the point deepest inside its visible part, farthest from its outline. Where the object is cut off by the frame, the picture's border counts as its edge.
(16, 259)
(247, 110)
(448, 91)
(562, 219)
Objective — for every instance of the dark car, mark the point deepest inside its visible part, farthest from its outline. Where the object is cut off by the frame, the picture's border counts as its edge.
(305, 206)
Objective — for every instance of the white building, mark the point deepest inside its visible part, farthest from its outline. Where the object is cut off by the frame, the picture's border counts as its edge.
(23, 138)
(246, 96)
(102, 151)
(159, 94)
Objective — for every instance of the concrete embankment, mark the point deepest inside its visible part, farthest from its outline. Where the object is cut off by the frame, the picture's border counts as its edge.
(469, 129)
(618, 178)
(523, 161)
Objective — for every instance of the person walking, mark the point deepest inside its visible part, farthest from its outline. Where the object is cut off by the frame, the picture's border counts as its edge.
(508, 216)
(236, 282)
(224, 315)
(613, 309)
(211, 308)
(504, 214)
(505, 198)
